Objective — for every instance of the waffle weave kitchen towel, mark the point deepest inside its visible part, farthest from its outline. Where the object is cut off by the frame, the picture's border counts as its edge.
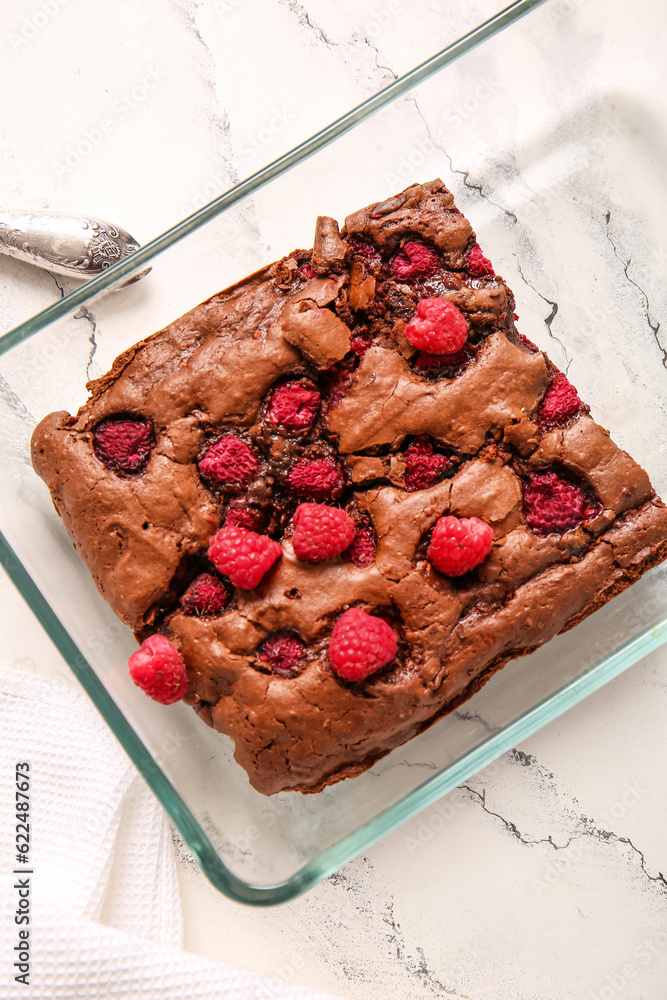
(99, 886)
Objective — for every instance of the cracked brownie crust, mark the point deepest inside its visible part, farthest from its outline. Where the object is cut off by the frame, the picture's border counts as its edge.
(302, 384)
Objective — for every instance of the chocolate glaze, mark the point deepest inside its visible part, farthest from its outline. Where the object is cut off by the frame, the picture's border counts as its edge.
(144, 537)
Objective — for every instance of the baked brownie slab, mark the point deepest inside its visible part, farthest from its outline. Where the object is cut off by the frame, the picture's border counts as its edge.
(337, 496)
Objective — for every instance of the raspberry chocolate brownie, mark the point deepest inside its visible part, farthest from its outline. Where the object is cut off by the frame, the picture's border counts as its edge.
(333, 499)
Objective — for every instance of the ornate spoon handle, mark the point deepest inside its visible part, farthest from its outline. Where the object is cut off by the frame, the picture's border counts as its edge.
(76, 245)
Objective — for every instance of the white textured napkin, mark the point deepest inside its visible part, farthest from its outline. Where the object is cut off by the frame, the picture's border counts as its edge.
(105, 908)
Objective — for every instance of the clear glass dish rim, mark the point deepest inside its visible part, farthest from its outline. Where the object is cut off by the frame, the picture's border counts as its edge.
(389, 819)
(439, 784)
(402, 85)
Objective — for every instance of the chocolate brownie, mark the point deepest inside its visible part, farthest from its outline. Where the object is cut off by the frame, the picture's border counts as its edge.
(343, 492)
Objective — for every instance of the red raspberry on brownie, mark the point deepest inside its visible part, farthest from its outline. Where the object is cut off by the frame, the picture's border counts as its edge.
(321, 532)
(360, 342)
(360, 248)
(424, 466)
(560, 402)
(438, 327)
(229, 462)
(123, 445)
(318, 477)
(244, 516)
(479, 265)
(282, 651)
(364, 544)
(458, 544)
(158, 669)
(414, 261)
(340, 379)
(360, 644)
(553, 504)
(205, 596)
(294, 405)
(242, 555)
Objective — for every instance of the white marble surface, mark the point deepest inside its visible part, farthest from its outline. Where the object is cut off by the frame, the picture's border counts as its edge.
(542, 877)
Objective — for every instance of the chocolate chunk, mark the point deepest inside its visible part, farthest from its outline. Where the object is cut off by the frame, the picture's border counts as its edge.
(329, 249)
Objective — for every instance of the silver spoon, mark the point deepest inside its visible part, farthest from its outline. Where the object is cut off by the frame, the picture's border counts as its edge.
(79, 246)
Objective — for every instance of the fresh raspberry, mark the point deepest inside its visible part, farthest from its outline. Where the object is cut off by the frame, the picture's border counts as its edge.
(364, 544)
(438, 327)
(307, 271)
(560, 402)
(282, 651)
(244, 517)
(123, 445)
(360, 342)
(360, 248)
(479, 265)
(294, 405)
(205, 596)
(360, 644)
(158, 669)
(423, 465)
(318, 478)
(458, 544)
(554, 504)
(229, 462)
(242, 555)
(414, 261)
(321, 532)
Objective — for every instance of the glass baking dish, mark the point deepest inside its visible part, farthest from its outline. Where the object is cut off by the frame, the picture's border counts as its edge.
(550, 131)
